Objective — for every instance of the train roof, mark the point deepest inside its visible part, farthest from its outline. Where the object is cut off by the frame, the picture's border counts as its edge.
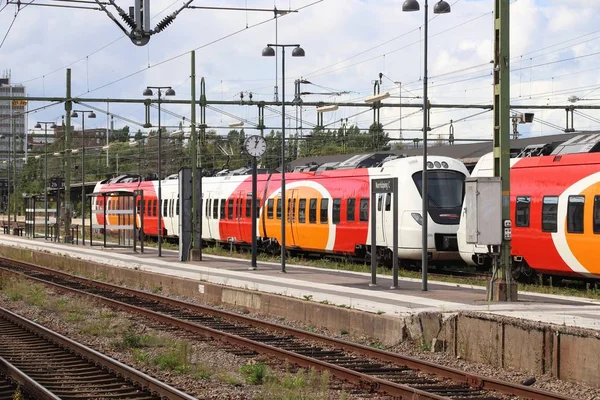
(468, 153)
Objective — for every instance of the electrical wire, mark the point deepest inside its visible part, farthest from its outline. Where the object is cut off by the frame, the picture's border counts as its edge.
(199, 47)
(92, 53)
(9, 28)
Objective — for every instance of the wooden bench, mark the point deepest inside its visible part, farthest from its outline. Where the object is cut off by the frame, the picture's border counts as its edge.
(5, 226)
(19, 228)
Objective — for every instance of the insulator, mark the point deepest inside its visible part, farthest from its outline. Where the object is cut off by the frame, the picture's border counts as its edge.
(164, 23)
(128, 20)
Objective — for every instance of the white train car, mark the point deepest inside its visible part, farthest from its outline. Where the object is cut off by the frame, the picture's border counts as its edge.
(327, 212)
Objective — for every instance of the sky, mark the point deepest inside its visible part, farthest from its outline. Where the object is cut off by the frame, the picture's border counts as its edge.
(555, 53)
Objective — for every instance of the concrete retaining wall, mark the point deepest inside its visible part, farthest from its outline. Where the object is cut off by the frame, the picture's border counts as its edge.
(566, 353)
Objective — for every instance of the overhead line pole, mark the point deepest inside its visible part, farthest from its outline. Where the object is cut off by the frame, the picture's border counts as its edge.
(67, 165)
(503, 289)
(196, 251)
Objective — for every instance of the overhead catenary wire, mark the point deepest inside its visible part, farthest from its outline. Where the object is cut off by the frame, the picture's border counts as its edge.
(10, 27)
(220, 39)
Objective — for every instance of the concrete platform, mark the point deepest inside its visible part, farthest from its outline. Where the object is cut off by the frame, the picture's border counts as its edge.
(540, 333)
(340, 288)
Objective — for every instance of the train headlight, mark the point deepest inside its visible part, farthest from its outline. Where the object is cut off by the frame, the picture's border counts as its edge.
(444, 164)
(437, 164)
(417, 217)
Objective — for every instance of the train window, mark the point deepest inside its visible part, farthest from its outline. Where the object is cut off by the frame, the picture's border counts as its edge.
(248, 207)
(337, 211)
(549, 213)
(291, 210)
(257, 208)
(522, 211)
(388, 201)
(324, 209)
(215, 206)
(312, 211)
(177, 205)
(364, 209)
(379, 201)
(596, 214)
(270, 208)
(222, 210)
(302, 211)
(350, 209)
(278, 216)
(575, 214)
(230, 208)
(165, 207)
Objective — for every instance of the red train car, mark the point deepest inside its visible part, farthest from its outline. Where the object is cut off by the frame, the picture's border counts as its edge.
(555, 211)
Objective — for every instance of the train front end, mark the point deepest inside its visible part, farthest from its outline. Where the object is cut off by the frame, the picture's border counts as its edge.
(445, 192)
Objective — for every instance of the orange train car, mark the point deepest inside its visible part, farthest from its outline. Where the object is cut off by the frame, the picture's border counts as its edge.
(555, 214)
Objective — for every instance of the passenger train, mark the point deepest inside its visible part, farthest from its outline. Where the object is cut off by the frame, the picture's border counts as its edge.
(327, 211)
(555, 214)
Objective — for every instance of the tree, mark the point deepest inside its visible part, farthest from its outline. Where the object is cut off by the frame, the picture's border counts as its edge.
(121, 135)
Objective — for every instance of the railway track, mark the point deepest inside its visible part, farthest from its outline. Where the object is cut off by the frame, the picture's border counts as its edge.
(52, 367)
(371, 369)
(13, 384)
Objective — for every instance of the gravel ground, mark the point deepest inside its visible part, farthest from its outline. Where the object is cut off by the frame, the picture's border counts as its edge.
(214, 357)
(543, 382)
(225, 380)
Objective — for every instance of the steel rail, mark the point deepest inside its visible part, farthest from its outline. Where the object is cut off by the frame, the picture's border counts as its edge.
(473, 380)
(29, 386)
(128, 373)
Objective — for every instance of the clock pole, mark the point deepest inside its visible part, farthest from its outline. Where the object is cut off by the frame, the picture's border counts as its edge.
(254, 214)
(255, 146)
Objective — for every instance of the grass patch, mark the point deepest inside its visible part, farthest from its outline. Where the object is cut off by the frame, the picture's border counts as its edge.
(304, 384)
(254, 372)
(228, 378)
(177, 358)
(140, 355)
(202, 373)
(130, 339)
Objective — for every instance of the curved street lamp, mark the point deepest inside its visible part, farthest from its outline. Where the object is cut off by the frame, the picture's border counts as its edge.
(168, 92)
(441, 7)
(270, 52)
(39, 126)
(90, 115)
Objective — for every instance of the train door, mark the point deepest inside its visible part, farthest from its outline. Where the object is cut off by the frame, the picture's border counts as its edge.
(207, 217)
(240, 203)
(380, 219)
(292, 218)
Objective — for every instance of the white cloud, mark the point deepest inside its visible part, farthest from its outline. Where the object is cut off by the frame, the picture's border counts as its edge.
(347, 43)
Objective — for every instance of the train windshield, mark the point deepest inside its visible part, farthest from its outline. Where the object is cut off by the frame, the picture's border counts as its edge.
(445, 190)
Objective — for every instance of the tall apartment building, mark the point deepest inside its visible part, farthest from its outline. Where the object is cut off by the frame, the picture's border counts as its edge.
(13, 121)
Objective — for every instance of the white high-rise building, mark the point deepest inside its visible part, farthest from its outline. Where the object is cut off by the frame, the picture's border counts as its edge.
(13, 121)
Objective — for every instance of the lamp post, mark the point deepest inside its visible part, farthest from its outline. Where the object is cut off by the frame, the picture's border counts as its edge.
(39, 126)
(7, 136)
(90, 115)
(168, 92)
(441, 7)
(270, 52)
